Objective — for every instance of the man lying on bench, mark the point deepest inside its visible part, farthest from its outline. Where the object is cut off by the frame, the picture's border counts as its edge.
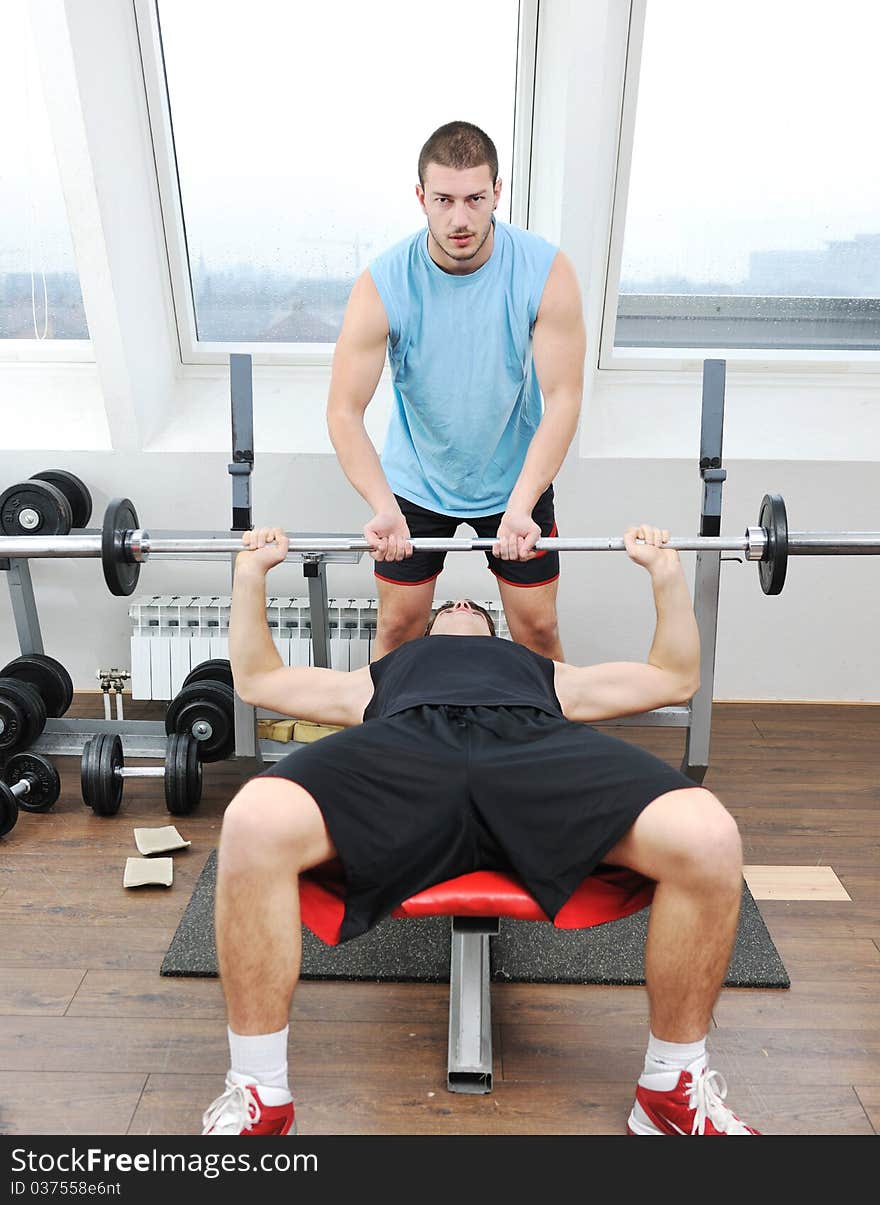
(465, 752)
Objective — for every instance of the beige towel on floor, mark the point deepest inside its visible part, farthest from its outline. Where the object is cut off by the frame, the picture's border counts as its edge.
(139, 872)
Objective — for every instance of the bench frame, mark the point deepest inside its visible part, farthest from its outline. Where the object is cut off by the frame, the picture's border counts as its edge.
(469, 1062)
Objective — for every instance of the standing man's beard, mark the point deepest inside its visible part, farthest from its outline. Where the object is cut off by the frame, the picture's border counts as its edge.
(470, 254)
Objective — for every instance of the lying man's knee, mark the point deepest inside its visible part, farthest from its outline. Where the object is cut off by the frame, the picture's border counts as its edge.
(270, 817)
(712, 849)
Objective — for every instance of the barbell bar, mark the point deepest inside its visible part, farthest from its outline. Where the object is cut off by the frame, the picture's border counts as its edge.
(123, 546)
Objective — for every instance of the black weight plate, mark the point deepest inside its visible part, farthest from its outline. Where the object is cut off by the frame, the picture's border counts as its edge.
(44, 780)
(8, 810)
(52, 513)
(101, 787)
(12, 724)
(120, 573)
(217, 670)
(219, 743)
(49, 676)
(774, 562)
(33, 710)
(183, 774)
(75, 491)
(208, 702)
(87, 777)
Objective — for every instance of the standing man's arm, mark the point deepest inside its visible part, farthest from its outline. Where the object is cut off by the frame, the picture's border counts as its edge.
(357, 366)
(558, 348)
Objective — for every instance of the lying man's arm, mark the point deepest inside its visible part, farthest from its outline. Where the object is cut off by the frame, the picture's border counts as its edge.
(261, 678)
(671, 673)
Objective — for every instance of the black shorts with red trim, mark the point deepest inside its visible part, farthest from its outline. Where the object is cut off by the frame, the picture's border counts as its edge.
(425, 566)
(434, 792)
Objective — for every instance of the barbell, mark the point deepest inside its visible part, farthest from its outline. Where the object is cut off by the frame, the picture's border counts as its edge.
(123, 546)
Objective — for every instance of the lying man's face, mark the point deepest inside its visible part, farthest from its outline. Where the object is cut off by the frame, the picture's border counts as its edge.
(461, 618)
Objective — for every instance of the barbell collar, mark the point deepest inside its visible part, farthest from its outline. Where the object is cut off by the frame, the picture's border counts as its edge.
(756, 543)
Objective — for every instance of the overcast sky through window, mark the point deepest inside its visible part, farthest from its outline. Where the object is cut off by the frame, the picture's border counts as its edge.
(298, 127)
(756, 130)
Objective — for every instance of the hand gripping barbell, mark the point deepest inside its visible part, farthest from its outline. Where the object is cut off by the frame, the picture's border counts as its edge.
(28, 781)
(103, 773)
(123, 546)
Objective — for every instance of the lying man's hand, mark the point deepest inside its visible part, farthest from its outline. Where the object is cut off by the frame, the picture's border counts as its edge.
(650, 554)
(264, 547)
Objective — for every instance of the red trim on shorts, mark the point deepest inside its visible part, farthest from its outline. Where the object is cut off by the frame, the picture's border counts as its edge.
(396, 582)
(523, 585)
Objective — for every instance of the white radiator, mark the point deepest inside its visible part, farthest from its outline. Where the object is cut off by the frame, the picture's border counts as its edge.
(171, 634)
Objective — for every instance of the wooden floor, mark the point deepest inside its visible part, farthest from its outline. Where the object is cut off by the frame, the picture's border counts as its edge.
(94, 1041)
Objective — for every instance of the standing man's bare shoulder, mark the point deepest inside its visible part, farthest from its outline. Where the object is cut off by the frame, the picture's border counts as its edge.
(365, 323)
(561, 306)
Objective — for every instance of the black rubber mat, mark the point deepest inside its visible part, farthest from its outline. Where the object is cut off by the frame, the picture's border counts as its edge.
(524, 951)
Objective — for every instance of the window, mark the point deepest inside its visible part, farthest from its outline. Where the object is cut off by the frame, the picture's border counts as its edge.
(753, 206)
(40, 296)
(293, 133)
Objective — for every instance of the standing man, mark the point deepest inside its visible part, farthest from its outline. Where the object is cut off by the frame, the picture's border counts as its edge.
(480, 319)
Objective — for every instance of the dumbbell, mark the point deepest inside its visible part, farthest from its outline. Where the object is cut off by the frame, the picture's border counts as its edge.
(32, 687)
(27, 781)
(103, 773)
(204, 708)
(48, 504)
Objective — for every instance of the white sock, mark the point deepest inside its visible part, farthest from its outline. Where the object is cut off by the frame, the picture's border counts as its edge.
(260, 1058)
(672, 1057)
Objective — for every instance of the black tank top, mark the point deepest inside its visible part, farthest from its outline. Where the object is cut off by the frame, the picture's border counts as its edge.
(467, 671)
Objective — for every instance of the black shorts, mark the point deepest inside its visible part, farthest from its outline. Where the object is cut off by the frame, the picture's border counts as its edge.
(425, 566)
(436, 792)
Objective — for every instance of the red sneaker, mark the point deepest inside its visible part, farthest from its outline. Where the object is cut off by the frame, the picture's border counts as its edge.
(691, 1105)
(239, 1110)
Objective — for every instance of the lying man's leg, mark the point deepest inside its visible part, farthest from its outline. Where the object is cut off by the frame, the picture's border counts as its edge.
(689, 843)
(272, 830)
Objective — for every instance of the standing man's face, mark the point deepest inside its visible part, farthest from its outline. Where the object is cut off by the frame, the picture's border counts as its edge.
(459, 207)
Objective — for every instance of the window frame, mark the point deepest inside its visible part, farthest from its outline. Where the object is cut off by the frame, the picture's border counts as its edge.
(683, 359)
(47, 351)
(194, 351)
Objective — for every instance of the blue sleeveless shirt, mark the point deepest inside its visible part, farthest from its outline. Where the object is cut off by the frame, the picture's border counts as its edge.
(466, 395)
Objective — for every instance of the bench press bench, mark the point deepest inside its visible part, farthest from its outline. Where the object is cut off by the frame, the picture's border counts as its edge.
(475, 904)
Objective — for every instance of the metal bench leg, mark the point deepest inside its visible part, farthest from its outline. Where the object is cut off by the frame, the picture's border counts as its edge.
(469, 1065)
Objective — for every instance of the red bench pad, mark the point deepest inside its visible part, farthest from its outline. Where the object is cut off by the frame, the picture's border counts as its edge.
(609, 893)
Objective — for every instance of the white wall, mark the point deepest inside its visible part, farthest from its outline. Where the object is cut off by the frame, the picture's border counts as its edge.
(138, 423)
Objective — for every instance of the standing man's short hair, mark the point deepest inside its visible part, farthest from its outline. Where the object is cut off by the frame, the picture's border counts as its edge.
(459, 145)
